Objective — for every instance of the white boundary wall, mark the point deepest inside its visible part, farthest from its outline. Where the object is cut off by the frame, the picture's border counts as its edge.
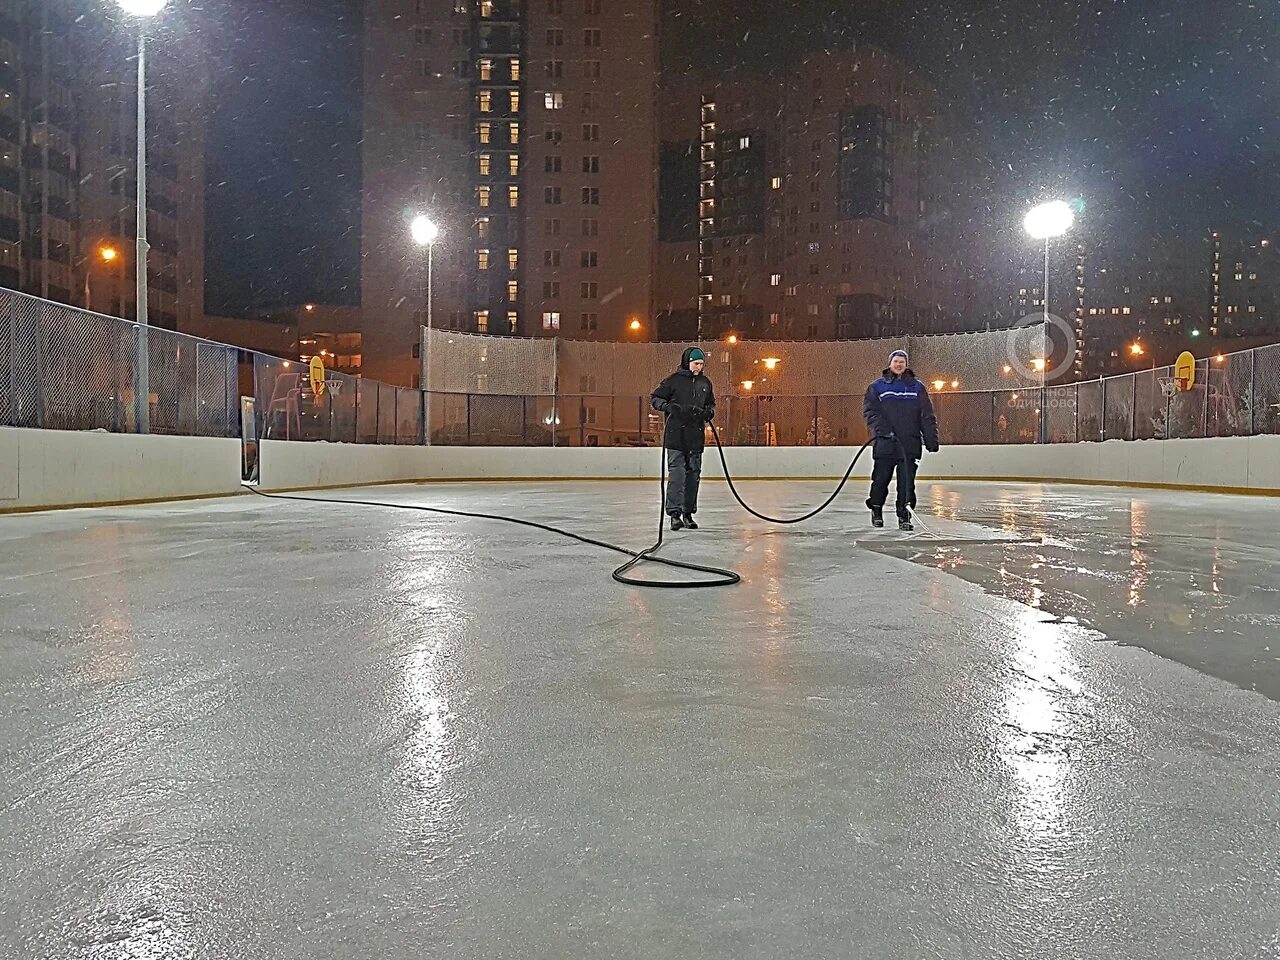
(49, 468)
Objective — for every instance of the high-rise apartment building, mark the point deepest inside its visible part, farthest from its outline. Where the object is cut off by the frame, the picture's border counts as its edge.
(527, 129)
(827, 203)
(67, 169)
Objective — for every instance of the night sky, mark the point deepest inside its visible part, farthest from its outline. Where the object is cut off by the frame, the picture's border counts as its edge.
(1160, 114)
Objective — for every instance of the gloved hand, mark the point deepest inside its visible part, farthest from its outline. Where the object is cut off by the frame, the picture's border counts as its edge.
(931, 447)
(708, 414)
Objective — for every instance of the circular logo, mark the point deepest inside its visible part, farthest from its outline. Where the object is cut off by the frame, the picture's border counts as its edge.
(1032, 344)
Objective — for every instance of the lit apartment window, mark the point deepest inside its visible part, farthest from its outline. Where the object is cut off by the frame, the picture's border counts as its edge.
(513, 321)
(513, 259)
(486, 70)
(422, 36)
(554, 101)
(514, 131)
(1126, 311)
(486, 8)
(550, 289)
(551, 164)
(513, 196)
(552, 195)
(486, 101)
(591, 69)
(590, 258)
(590, 290)
(515, 69)
(776, 183)
(590, 164)
(482, 194)
(555, 38)
(555, 69)
(744, 143)
(775, 280)
(1239, 276)
(591, 37)
(1253, 308)
(591, 132)
(482, 227)
(513, 164)
(551, 320)
(482, 321)
(1253, 276)
(484, 164)
(515, 101)
(482, 259)
(773, 319)
(591, 196)
(513, 291)
(551, 258)
(484, 131)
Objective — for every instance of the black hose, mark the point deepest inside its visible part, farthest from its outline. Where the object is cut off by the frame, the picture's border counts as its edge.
(784, 520)
(721, 577)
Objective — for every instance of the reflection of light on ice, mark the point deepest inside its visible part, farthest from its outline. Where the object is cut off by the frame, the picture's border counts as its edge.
(1035, 734)
(1139, 565)
(427, 748)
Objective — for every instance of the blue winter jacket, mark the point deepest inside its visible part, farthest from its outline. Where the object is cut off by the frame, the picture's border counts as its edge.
(898, 411)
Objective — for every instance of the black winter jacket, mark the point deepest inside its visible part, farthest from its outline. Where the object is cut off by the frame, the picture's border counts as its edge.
(689, 403)
(898, 409)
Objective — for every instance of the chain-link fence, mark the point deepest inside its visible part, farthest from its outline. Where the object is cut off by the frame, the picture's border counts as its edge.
(66, 368)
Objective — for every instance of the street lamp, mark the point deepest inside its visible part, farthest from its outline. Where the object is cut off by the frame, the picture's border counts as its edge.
(1136, 349)
(108, 255)
(424, 232)
(635, 326)
(142, 9)
(1044, 222)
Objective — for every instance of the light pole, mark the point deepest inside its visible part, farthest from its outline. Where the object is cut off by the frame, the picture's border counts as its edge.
(142, 9)
(1044, 222)
(424, 232)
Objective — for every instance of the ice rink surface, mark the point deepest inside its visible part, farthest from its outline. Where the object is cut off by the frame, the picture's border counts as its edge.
(261, 729)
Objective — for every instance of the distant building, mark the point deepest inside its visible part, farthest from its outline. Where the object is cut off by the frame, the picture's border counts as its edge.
(528, 131)
(823, 205)
(68, 103)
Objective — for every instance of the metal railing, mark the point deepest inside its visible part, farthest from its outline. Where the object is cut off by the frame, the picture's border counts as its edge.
(66, 368)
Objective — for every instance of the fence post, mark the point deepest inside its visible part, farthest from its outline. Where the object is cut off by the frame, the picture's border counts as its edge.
(815, 421)
(1075, 404)
(424, 428)
(332, 436)
(524, 420)
(142, 382)
(640, 419)
(1253, 391)
(1103, 420)
(1208, 369)
(377, 412)
(992, 418)
(1044, 415)
(757, 421)
(1133, 410)
(553, 421)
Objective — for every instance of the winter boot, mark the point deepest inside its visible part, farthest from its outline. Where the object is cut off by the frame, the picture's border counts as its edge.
(904, 523)
(877, 516)
(688, 521)
(677, 522)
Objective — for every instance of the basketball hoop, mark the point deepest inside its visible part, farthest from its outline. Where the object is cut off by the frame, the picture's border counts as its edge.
(1169, 385)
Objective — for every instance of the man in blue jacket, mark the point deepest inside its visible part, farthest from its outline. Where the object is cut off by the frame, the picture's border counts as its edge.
(898, 412)
(689, 403)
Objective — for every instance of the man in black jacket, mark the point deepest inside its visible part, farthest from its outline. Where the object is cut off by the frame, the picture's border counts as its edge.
(689, 403)
(900, 415)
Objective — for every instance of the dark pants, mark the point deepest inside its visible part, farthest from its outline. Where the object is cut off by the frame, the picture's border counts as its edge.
(882, 472)
(685, 471)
